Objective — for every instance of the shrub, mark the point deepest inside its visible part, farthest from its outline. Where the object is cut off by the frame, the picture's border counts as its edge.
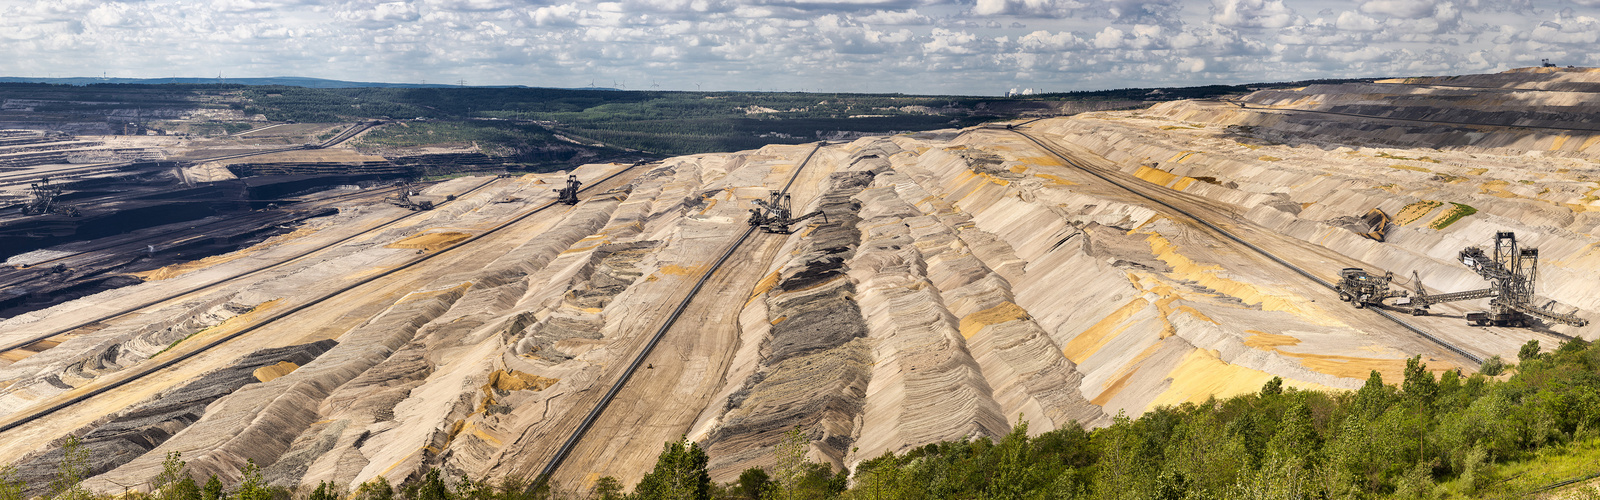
(1493, 366)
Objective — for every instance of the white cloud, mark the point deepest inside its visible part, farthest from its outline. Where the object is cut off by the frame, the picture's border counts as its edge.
(1350, 20)
(109, 15)
(1582, 30)
(1119, 11)
(1253, 13)
(1108, 38)
(1040, 41)
(847, 45)
(1404, 9)
(556, 15)
(895, 18)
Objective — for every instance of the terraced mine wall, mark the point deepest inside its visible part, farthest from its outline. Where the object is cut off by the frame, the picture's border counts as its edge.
(1476, 182)
(814, 359)
(953, 288)
(960, 282)
(135, 432)
(112, 207)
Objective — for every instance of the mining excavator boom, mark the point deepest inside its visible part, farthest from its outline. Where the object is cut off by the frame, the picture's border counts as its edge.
(569, 194)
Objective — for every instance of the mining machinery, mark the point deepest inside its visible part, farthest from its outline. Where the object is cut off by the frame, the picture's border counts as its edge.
(1361, 289)
(1512, 272)
(403, 199)
(775, 215)
(569, 194)
(44, 200)
(1378, 224)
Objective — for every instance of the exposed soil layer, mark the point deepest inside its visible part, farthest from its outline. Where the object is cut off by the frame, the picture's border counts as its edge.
(135, 432)
(958, 282)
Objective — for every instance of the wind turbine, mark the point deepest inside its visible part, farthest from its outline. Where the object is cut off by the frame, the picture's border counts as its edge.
(654, 85)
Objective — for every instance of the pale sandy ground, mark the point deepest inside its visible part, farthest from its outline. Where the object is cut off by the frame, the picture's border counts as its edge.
(956, 285)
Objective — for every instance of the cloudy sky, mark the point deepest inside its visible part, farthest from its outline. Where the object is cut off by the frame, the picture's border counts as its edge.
(912, 46)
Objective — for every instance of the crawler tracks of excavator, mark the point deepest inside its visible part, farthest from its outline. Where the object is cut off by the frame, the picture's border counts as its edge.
(627, 373)
(22, 418)
(1160, 194)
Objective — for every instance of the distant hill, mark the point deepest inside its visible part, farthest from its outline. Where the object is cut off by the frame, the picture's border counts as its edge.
(296, 81)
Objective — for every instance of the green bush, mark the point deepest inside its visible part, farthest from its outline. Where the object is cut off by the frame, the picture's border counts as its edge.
(1493, 366)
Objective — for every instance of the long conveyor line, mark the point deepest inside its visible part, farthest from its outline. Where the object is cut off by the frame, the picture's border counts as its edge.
(1224, 233)
(600, 407)
(34, 415)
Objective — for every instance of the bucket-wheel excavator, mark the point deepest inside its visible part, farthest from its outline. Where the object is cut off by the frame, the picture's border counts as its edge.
(403, 199)
(1512, 273)
(44, 200)
(775, 215)
(569, 194)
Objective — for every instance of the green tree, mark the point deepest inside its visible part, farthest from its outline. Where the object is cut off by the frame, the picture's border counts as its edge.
(1273, 387)
(607, 488)
(10, 487)
(1015, 473)
(376, 489)
(879, 478)
(752, 484)
(253, 486)
(680, 474)
(1297, 440)
(1419, 385)
(790, 468)
(1528, 352)
(71, 471)
(431, 487)
(325, 491)
(213, 490)
(1124, 469)
(467, 489)
(1493, 366)
(1373, 397)
(174, 481)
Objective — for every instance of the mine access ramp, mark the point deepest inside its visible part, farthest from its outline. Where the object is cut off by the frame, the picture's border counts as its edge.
(775, 214)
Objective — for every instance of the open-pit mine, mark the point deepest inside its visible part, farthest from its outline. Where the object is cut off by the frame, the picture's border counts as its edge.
(879, 294)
